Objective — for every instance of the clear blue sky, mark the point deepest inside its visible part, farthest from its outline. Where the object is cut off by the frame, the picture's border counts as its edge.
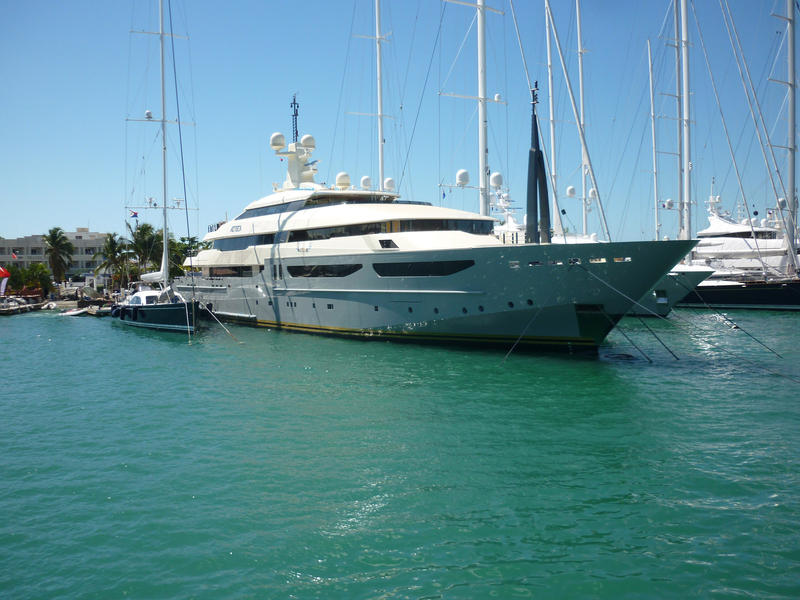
(72, 72)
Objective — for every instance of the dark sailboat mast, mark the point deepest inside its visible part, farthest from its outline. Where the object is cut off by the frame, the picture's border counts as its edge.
(537, 228)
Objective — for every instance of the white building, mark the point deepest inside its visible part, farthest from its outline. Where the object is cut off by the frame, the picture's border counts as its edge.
(31, 249)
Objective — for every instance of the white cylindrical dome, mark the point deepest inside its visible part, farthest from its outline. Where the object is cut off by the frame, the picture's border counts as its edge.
(462, 177)
(570, 191)
(148, 115)
(593, 194)
(669, 204)
(781, 203)
(388, 184)
(496, 180)
(342, 180)
(308, 141)
(366, 182)
(277, 142)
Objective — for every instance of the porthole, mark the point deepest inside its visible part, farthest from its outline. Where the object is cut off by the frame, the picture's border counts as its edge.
(480, 308)
(464, 310)
(435, 311)
(510, 305)
(410, 309)
(530, 302)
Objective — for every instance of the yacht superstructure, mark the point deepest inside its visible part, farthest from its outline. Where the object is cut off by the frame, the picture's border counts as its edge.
(363, 263)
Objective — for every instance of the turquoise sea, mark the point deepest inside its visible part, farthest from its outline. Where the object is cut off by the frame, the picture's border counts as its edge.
(276, 465)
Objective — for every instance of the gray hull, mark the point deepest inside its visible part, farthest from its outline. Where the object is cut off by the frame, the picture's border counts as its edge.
(554, 297)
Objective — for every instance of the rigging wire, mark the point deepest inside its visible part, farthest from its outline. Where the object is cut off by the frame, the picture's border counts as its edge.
(180, 143)
(422, 95)
(341, 92)
(720, 316)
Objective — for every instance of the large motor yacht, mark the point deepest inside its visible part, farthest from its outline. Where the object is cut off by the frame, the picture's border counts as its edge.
(363, 263)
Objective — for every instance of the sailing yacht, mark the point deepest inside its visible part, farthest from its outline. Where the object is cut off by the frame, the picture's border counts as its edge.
(756, 264)
(751, 262)
(360, 262)
(159, 307)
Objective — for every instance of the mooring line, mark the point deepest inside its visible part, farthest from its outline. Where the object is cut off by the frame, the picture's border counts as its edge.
(728, 319)
(716, 346)
(211, 312)
(630, 341)
(658, 338)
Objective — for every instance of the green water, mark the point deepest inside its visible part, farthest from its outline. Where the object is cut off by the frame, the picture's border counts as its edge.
(135, 465)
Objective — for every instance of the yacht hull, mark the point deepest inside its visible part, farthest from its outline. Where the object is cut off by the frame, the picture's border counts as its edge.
(767, 295)
(669, 291)
(167, 317)
(553, 297)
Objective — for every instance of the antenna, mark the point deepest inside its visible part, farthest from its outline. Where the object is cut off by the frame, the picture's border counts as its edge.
(294, 106)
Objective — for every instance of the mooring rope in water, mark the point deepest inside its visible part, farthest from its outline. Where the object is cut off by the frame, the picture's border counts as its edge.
(630, 341)
(637, 303)
(727, 319)
(716, 346)
(653, 333)
(209, 311)
(188, 324)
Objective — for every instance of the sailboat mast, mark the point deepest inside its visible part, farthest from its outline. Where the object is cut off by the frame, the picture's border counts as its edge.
(380, 91)
(551, 106)
(653, 135)
(483, 146)
(165, 252)
(791, 79)
(678, 107)
(584, 168)
(685, 230)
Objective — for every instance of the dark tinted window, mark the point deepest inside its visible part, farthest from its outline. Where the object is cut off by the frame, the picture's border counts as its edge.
(242, 242)
(438, 268)
(322, 270)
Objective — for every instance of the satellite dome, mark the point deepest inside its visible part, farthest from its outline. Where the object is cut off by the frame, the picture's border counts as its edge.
(496, 180)
(342, 180)
(462, 178)
(366, 182)
(277, 142)
(148, 115)
(308, 141)
(570, 191)
(388, 184)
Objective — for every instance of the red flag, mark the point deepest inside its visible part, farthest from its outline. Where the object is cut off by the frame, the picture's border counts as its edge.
(4, 272)
(13, 255)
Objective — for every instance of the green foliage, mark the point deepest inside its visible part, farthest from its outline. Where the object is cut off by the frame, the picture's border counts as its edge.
(16, 278)
(115, 254)
(58, 250)
(37, 275)
(144, 245)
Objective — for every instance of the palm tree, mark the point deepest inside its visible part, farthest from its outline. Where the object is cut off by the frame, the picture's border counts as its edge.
(144, 245)
(59, 251)
(115, 255)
